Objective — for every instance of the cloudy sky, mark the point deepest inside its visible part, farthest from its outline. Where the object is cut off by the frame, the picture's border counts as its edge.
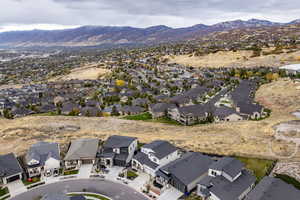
(57, 14)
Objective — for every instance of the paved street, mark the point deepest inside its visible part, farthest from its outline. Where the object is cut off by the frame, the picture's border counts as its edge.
(113, 190)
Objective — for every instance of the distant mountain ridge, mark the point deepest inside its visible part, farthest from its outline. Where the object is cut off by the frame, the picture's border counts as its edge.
(100, 35)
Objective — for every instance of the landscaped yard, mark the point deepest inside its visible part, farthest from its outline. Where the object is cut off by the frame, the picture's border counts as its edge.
(71, 172)
(131, 175)
(31, 181)
(97, 196)
(260, 167)
(289, 180)
(3, 191)
(147, 117)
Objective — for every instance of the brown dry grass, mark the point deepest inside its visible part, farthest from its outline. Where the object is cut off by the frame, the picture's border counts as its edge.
(241, 138)
(236, 59)
(90, 71)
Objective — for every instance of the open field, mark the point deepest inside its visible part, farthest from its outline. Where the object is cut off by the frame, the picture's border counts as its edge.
(236, 59)
(90, 71)
(245, 138)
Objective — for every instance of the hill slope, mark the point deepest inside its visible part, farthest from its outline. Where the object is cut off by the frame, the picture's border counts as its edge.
(99, 35)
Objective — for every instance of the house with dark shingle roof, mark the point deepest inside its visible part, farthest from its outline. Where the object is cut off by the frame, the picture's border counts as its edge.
(226, 180)
(160, 109)
(270, 188)
(154, 155)
(189, 115)
(185, 172)
(43, 158)
(81, 151)
(226, 114)
(117, 151)
(10, 169)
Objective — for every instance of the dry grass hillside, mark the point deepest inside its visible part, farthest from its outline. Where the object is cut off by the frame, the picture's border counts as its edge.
(236, 59)
(254, 138)
(90, 71)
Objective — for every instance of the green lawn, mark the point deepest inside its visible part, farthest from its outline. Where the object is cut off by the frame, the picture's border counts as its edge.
(3, 191)
(34, 180)
(289, 180)
(97, 196)
(260, 167)
(72, 172)
(131, 175)
(147, 117)
(140, 117)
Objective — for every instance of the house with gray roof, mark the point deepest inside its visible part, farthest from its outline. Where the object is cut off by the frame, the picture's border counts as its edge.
(184, 173)
(160, 109)
(43, 158)
(153, 156)
(81, 151)
(117, 151)
(189, 115)
(10, 169)
(270, 188)
(226, 180)
(225, 114)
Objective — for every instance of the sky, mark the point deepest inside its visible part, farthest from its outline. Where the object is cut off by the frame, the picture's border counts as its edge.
(61, 14)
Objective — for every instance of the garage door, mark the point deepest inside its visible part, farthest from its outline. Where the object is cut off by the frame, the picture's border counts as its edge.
(87, 162)
(14, 178)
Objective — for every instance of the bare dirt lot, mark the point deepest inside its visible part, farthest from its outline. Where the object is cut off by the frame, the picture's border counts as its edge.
(253, 138)
(90, 71)
(236, 59)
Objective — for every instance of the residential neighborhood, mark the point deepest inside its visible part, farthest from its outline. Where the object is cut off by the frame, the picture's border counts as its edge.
(158, 170)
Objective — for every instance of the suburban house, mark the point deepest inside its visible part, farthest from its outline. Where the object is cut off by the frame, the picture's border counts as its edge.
(117, 151)
(184, 173)
(226, 180)
(81, 151)
(160, 109)
(270, 188)
(226, 114)
(153, 156)
(250, 110)
(10, 169)
(43, 158)
(189, 115)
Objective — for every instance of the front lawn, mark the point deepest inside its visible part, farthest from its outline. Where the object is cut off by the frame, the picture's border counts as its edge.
(131, 175)
(71, 172)
(289, 180)
(147, 117)
(140, 117)
(260, 167)
(31, 181)
(96, 196)
(3, 191)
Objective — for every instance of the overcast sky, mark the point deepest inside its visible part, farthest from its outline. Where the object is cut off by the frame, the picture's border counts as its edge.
(57, 14)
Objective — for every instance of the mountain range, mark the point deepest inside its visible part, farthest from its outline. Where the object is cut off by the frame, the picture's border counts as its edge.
(113, 35)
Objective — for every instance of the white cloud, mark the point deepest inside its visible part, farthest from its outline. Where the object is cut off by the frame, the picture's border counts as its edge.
(18, 14)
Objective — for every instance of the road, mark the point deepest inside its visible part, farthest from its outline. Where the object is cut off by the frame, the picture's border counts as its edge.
(113, 190)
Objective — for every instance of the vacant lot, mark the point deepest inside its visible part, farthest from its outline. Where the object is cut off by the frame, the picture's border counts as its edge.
(246, 138)
(90, 71)
(236, 59)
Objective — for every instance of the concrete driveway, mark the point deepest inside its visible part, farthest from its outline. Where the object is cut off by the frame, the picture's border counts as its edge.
(16, 187)
(170, 194)
(85, 171)
(140, 181)
(110, 189)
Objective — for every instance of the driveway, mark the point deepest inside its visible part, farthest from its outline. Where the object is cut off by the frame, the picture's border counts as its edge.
(170, 194)
(110, 189)
(85, 171)
(140, 181)
(113, 173)
(16, 187)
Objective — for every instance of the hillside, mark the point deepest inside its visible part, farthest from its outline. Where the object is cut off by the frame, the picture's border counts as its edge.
(100, 35)
(256, 139)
